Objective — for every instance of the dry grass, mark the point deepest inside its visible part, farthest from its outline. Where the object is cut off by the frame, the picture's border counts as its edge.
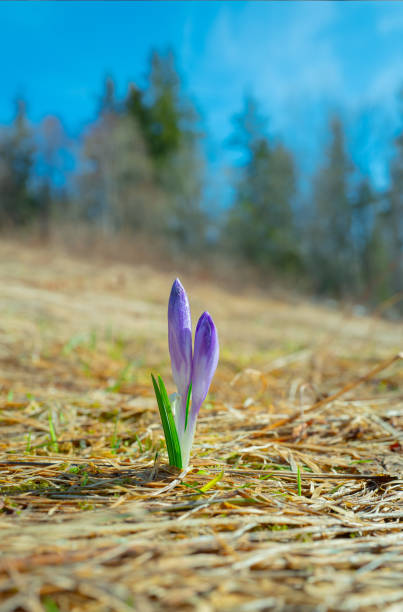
(93, 520)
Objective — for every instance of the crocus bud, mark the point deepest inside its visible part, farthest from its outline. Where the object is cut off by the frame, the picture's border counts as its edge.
(180, 341)
(205, 360)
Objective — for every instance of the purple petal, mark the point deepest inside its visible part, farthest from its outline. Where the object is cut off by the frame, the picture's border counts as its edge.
(180, 338)
(205, 360)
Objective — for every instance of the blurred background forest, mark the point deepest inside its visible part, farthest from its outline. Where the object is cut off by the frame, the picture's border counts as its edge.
(139, 171)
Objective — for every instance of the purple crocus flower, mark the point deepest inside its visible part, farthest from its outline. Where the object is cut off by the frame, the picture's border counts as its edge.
(198, 370)
(180, 344)
(205, 360)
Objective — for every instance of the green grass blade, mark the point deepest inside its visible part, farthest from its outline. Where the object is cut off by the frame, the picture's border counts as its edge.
(187, 405)
(164, 419)
(53, 436)
(168, 423)
(163, 392)
(171, 421)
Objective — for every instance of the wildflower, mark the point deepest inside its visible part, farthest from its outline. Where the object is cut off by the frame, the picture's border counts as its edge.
(192, 374)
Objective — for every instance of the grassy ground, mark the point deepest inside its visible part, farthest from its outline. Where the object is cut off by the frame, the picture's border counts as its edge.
(92, 519)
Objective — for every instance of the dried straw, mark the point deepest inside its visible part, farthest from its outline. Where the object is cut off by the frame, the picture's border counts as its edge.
(93, 519)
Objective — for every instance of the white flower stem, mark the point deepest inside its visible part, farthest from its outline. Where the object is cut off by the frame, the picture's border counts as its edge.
(186, 441)
(185, 435)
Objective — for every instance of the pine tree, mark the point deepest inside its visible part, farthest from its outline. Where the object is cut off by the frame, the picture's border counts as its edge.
(18, 205)
(107, 100)
(170, 128)
(332, 249)
(261, 219)
(364, 220)
(379, 269)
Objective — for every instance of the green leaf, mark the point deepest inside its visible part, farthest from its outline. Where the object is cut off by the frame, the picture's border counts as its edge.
(163, 415)
(164, 393)
(171, 421)
(187, 405)
(168, 423)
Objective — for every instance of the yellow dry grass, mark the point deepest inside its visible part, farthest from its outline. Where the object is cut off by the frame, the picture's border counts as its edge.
(91, 517)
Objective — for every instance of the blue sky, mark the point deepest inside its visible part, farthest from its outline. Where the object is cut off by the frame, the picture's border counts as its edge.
(300, 59)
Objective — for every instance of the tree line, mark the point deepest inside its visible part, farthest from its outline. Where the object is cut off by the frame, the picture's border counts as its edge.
(140, 168)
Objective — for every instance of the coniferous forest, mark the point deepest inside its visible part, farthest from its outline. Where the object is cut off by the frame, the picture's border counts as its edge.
(140, 169)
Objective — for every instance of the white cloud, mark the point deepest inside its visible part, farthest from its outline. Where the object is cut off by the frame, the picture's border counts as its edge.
(280, 53)
(302, 60)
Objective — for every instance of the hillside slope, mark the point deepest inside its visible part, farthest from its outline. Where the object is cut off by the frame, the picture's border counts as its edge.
(92, 519)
